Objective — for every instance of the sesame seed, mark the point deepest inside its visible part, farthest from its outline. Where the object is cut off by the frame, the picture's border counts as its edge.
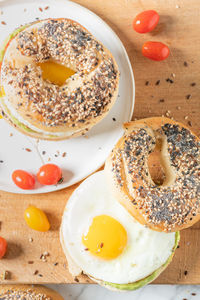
(188, 96)
(169, 80)
(64, 154)
(157, 82)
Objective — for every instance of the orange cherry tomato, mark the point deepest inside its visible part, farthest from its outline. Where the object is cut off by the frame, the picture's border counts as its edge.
(49, 174)
(146, 21)
(3, 247)
(23, 179)
(36, 219)
(155, 50)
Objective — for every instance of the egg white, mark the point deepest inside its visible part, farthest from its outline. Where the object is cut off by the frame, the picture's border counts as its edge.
(145, 252)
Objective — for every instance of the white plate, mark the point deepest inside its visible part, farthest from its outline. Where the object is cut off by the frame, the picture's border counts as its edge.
(83, 155)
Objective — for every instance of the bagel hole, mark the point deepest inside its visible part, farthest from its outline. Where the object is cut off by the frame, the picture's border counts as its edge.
(54, 72)
(155, 166)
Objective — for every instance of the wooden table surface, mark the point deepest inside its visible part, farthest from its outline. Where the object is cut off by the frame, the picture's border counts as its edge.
(179, 27)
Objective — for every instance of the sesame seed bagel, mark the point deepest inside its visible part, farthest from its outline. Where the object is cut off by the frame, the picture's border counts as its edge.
(45, 110)
(175, 204)
(28, 292)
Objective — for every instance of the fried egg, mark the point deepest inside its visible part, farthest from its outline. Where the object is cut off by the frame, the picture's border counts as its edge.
(105, 241)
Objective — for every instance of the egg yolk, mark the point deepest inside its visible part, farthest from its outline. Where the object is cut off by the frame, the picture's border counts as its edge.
(54, 72)
(106, 237)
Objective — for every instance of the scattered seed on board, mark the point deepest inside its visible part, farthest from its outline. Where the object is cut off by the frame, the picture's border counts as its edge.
(169, 80)
(157, 82)
(188, 96)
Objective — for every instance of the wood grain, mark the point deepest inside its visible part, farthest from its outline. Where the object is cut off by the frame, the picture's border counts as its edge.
(179, 27)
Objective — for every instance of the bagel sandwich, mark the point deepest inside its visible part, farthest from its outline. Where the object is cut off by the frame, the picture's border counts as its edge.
(57, 81)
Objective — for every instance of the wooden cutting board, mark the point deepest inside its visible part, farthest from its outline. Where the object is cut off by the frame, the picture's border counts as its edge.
(179, 27)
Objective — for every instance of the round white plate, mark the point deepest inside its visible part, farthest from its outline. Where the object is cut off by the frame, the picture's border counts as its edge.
(83, 155)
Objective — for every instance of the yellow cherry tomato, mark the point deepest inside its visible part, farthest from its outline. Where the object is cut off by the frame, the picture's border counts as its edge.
(36, 219)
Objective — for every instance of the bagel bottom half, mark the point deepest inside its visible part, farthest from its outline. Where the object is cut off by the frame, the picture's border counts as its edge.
(28, 292)
(88, 224)
(76, 271)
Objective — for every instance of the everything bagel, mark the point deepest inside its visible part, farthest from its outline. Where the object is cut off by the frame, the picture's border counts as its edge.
(46, 110)
(27, 292)
(175, 204)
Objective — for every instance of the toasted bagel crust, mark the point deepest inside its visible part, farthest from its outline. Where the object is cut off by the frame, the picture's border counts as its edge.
(173, 206)
(28, 292)
(50, 111)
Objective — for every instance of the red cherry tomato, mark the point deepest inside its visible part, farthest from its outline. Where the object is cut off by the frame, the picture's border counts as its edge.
(146, 21)
(3, 247)
(23, 179)
(155, 50)
(49, 174)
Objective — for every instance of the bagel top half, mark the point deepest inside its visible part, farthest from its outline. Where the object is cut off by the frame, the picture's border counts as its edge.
(46, 110)
(173, 205)
(28, 292)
